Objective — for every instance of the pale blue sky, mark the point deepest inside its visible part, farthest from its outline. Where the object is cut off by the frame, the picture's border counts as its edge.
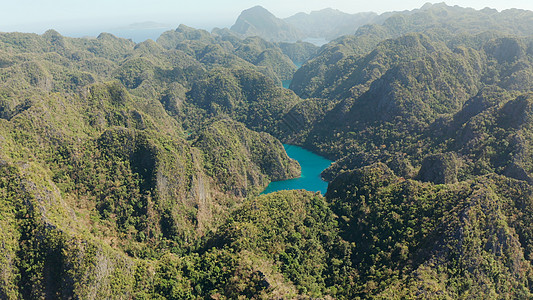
(72, 15)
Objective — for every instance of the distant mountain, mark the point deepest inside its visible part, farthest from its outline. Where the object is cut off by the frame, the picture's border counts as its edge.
(329, 23)
(439, 21)
(257, 21)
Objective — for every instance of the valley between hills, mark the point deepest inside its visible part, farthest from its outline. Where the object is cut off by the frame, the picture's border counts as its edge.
(135, 170)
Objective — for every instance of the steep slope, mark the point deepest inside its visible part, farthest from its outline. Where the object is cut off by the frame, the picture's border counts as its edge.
(133, 170)
(466, 239)
(405, 83)
(299, 52)
(397, 104)
(329, 23)
(257, 21)
(99, 179)
(245, 95)
(226, 50)
(452, 25)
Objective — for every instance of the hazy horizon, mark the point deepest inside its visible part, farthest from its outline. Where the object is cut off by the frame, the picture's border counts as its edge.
(79, 18)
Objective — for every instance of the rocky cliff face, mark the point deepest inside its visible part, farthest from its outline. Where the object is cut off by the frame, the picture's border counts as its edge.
(244, 161)
(424, 233)
(97, 175)
(257, 21)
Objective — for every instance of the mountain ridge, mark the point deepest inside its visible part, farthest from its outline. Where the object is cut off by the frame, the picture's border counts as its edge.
(134, 170)
(259, 21)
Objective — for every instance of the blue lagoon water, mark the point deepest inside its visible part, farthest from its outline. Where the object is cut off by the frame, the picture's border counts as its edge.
(287, 83)
(312, 165)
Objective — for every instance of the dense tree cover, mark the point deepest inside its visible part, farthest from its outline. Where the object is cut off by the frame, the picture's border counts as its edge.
(244, 95)
(133, 170)
(423, 89)
(452, 25)
(225, 49)
(453, 241)
(242, 160)
(108, 160)
(424, 101)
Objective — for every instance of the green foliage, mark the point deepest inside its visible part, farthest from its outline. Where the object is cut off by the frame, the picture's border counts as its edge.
(244, 95)
(132, 171)
(449, 240)
(134, 72)
(243, 161)
(299, 52)
(406, 100)
(299, 232)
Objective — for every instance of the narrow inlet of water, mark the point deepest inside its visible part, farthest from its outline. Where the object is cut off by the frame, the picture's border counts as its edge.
(312, 165)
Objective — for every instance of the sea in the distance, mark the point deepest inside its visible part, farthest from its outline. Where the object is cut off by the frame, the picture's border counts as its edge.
(312, 165)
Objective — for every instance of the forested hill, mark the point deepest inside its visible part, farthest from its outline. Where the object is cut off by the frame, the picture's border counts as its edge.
(369, 28)
(437, 90)
(114, 153)
(134, 170)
